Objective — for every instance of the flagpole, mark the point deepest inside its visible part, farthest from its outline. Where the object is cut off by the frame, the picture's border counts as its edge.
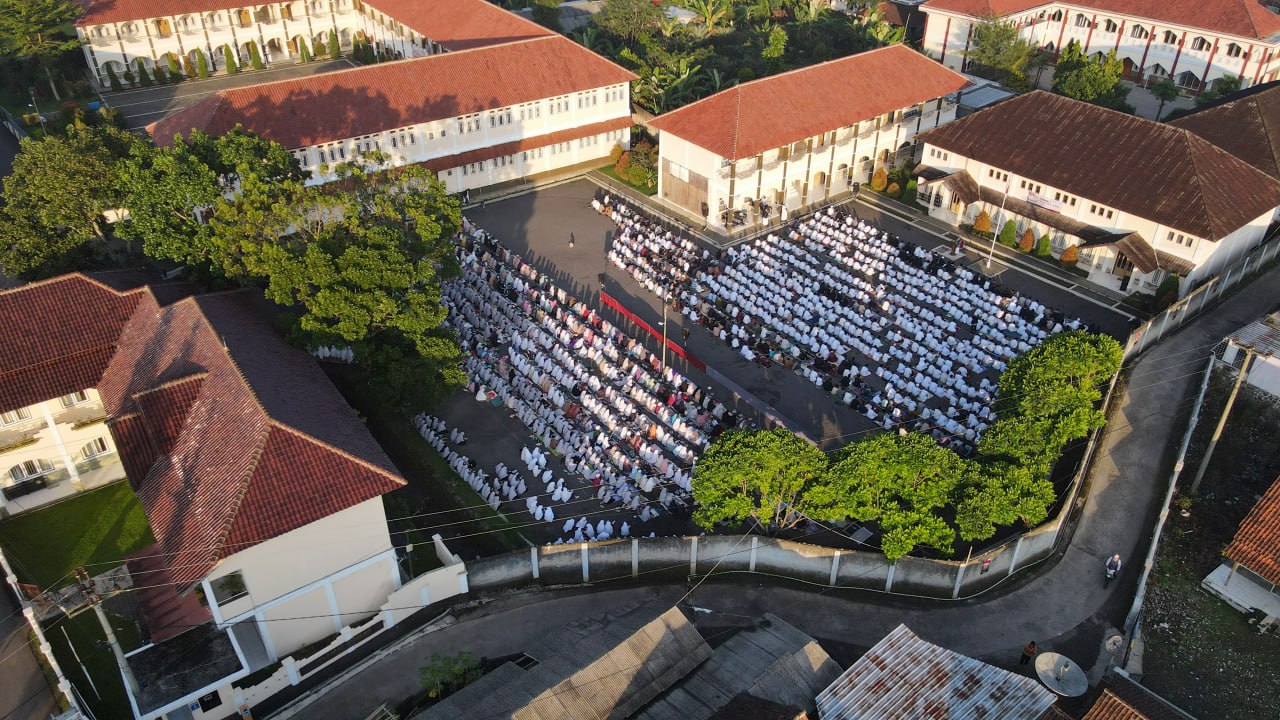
(991, 249)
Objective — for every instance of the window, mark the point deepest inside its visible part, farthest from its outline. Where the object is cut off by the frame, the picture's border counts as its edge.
(1056, 16)
(1082, 21)
(1110, 26)
(1169, 38)
(229, 587)
(95, 447)
(1064, 198)
(1200, 44)
(15, 416)
(74, 398)
(1233, 50)
(998, 175)
(28, 469)
(1139, 32)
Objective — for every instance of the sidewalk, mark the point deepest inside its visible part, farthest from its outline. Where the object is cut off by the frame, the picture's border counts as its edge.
(1065, 609)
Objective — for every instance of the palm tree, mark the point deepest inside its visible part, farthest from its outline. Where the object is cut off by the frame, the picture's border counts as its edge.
(710, 11)
(1165, 90)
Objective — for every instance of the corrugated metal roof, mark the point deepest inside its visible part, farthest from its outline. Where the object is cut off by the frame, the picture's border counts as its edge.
(906, 678)
(1263, 336)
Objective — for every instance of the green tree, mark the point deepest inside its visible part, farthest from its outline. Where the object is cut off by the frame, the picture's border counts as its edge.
(900, 482)
(202, 64)
(444, 674)
(758, 475)
(255, 56)
(775, 48)
(998, 52)
(1165, 91)
(335, 50)
(629, 20)
(547, 13)
(55, 197)
(1220, 88)
(175, 69)
(982, 223)
(144, 78)
(229, 60)
(1044, 247)
(1009, 234)
(304, 52)
(37, 29)
(112, 80)
(1096, 80)
(879, 179)
(1002, 495)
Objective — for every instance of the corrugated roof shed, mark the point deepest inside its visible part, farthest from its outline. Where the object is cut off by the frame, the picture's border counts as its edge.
(1263, 336)
(606, 668)
(906, 678)
(773, 661)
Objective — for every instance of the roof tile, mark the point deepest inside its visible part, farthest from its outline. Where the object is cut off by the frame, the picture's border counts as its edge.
(1245, 18)
(1257, 542)
(750, 118)
(1245, 124)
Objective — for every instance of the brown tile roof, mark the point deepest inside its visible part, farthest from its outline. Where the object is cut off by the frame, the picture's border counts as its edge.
(1154, 171)
(750, 118)
(1257, 542)
(1245, 124)
(49, 346)
(441, 164)
(1245, 18)
(455, 24)
(1123, 699)
(242, 437)
(166, 612)
(350, 103)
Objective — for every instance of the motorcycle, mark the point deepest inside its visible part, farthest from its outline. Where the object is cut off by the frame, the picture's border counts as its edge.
(1111, 569)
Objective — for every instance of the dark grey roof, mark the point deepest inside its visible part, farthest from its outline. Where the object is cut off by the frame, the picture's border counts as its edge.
(772, 661)
(181, 665)
(607, 667)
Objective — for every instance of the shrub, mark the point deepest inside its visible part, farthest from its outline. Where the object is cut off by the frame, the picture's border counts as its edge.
(1009, 234)
(162, 75)
(144, 77)
(304, 52)
(1070, 256)
(1028, 242)
(615, 154)
(894, 190)
(130, 78)
(255, 56)
(175, 69)
(229, 59)
(188, 67)
(879, 180)
(1166, 293)
(202, 64)
(623, 166)
(746, 74)
(982, 223)
(1044, 247)
(335, 50)
(909, 193)
(111, 116)
(113, 80)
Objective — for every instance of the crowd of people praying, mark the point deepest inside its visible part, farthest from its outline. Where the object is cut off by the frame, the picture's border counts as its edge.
(901, 334)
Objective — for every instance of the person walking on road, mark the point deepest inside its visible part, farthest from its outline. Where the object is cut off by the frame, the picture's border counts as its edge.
(1028, 652)
(1113, 569)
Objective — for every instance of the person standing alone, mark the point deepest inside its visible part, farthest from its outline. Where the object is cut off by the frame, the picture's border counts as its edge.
(1028, 652)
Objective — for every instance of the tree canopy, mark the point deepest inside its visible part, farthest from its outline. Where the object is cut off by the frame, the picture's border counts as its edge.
(764, 476)
(55, 197)
(1093, 80)
(997, 52)
(37, 29)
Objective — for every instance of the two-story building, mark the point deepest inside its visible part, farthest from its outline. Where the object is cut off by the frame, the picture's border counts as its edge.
(1194, 43)
(125, 34)
(798, 138)
(261, 485)
(476, 117)
(1141, 199)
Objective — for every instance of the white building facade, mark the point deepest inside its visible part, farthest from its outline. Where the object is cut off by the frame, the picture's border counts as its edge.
(726, 154)
(1193, 44)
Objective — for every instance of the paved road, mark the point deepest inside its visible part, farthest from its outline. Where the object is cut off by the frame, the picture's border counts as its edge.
(1064, 608)
(24, 693)
(142, 106)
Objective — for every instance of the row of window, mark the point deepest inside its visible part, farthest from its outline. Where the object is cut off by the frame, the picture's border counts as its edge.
(1180, 239)
(69, 400)
(1141, 32)
(34, 468)
(243, 17)
(1100, 211)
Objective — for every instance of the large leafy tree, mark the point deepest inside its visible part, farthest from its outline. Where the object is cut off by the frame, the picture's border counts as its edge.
(1165, 91)
(630, 20)
(40, 30)
(1092, 80)
(901, 483)
(763, 476)
(54, 200)
(998, 52)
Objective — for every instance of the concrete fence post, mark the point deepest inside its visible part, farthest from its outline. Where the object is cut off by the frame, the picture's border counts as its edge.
(955, 589)
(1017, 550)
(835, 569)
(533, 562)
(388, 619)
(755, 542)
(586, 565)
(635, 558)
(291, 668)
(888, 580)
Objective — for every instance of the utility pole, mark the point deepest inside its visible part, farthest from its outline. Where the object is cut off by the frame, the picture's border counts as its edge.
(91, 596)
(1222, 421)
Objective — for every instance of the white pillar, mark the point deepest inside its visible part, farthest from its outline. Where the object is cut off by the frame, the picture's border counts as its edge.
(62, 448)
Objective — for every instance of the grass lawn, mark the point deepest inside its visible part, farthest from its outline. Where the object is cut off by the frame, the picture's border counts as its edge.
(109, 702)
(1201, 653)
(97, 528)
(608, 171)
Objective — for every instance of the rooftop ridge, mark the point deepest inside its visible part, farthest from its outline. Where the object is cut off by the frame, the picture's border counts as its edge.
(330, 447)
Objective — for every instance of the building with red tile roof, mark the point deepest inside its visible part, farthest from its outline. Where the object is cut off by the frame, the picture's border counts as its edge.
(1141, 199)
(262, 487)
(1194, 42)
(481, 95)
(802, 136)
(1245, 124)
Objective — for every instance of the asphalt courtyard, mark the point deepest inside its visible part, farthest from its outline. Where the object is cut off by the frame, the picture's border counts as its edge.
(143, 106)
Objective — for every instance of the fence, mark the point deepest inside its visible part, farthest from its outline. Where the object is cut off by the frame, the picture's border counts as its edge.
(12, 124)
(1189, 307)
(29, 613)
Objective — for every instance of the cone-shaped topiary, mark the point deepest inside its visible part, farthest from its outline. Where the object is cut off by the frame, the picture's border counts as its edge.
(113, 80)
(229, 59)
(1009, 234)
(255, 57)
(303, 51)
(1028, 241)
(335, 50)
(1044, 247)
(1070, 256)
(982, 223)
(894, 190)
(879, 180)
(175, 68)
(144, 78)
(202, 64)
(162, 75)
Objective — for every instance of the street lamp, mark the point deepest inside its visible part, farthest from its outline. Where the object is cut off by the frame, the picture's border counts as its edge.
(39, 114)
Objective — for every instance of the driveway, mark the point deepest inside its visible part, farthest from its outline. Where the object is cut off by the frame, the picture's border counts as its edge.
(143, 106)
(24, 693)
